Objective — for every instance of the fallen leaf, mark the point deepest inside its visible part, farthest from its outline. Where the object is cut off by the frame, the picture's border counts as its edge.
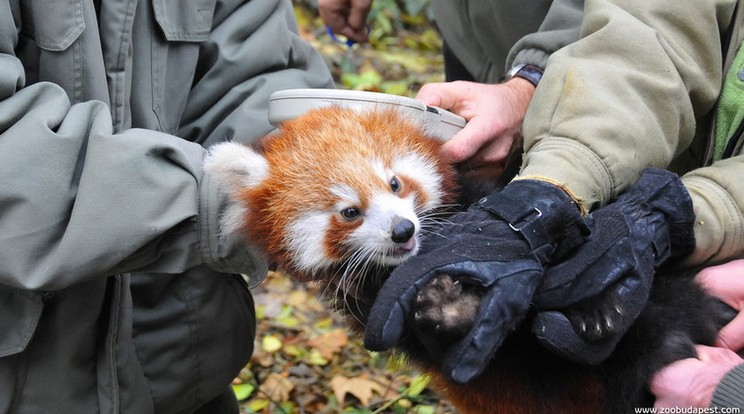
(271, 343)
(330, 343)
(360, 387)
(277, 387)
(243, 391)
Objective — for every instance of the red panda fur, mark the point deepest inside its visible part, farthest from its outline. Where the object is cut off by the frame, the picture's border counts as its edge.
(305, 156)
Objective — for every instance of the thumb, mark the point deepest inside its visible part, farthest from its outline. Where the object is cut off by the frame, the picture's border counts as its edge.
(445, 95)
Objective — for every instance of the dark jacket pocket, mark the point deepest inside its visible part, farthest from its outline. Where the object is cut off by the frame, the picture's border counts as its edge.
(19, 314)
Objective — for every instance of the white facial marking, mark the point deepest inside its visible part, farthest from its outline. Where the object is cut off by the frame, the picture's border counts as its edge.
(384, 212)
(305, 241)
(425, 173)
(346, 196)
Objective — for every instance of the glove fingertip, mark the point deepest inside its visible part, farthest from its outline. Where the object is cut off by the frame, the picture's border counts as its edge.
(553, 331)
(382, 335)
(461, 375)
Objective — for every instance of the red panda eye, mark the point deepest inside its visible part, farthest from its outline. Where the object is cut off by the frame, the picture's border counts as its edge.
(395, 184)
(350, 213)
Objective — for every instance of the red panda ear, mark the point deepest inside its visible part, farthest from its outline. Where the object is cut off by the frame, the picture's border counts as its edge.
(235, 166)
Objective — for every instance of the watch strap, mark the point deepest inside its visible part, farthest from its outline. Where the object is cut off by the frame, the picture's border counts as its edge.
(526, 71)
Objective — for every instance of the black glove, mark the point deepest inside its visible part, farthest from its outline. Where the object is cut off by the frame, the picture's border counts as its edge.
(503, 244)
(611, 274)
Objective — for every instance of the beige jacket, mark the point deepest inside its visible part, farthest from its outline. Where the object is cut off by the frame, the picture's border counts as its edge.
(638, 89)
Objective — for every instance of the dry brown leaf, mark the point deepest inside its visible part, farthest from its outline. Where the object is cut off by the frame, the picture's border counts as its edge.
(277, 387)
(330, 343)
(360, 387)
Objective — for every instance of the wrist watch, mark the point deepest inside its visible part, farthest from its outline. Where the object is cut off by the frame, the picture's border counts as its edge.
(528, 72)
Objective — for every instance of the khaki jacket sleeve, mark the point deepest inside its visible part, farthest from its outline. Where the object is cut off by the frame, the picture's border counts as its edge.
(626, 95)
(718, 198)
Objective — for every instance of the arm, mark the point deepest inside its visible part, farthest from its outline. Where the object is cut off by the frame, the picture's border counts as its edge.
(718, 197)
(79, 202)
(626, 95)
(495, 112)
(560, 28)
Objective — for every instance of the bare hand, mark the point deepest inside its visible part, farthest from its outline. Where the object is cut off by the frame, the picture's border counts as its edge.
(726, 282)
(494, 113)
(346, 17)
(691, 382)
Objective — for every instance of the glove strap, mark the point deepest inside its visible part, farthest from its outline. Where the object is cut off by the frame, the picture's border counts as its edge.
(522, 218)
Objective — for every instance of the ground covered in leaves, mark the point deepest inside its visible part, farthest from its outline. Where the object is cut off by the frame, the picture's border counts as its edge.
(304, 359)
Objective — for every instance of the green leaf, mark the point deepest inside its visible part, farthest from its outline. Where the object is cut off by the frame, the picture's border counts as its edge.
(424, 409)
(243, 391)
(418, 385)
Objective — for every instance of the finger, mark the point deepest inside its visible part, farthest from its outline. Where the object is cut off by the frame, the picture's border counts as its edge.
(358, 15)
(333, 16)
(724, 282)
(731, 336)
(446, 95)
(477, 142)
(665, 384)
(554, 331)
(602, 261)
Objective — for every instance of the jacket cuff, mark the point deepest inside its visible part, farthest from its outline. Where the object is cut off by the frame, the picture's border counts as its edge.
(729, 392)
(222, 251)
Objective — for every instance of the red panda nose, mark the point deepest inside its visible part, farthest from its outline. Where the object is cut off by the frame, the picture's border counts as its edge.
(403, 231)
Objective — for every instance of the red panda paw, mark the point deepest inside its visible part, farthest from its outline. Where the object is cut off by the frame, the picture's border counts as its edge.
(446, 307)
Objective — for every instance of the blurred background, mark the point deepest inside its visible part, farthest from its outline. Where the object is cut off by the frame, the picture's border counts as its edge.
(304, 360)
(404, 49)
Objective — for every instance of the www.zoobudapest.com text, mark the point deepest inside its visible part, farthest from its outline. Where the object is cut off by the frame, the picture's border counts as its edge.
(689, 410)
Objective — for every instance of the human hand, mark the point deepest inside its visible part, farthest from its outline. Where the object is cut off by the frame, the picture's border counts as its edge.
(587, 302)
(501, 244)
(346, 17)
(494, 115)
(726, 282)
(691, 382)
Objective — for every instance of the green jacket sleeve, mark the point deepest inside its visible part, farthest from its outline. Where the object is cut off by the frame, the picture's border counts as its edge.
(559, 28)
(254, 50)
(79, 200)
(482, 34)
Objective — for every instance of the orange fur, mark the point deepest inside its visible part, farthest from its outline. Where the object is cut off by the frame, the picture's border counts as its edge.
(326, 146)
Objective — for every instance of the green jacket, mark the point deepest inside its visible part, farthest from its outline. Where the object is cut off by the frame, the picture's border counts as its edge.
(114, 287)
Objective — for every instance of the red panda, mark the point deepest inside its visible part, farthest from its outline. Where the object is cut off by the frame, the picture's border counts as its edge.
(337, 196)
(341, 196)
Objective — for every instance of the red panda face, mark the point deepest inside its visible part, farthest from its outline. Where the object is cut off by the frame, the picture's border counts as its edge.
(336, 189)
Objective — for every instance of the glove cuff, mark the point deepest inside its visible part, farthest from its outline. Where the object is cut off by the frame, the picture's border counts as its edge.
(664, 192)
(546, 216)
